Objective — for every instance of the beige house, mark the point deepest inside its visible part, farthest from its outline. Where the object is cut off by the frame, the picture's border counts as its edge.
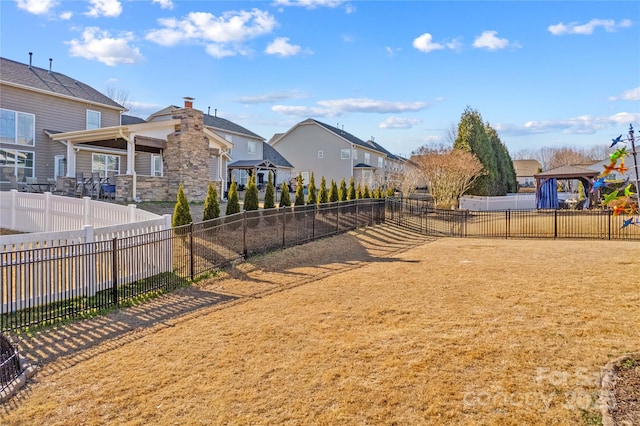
(329, 152)
(525, 172)
(36, 102)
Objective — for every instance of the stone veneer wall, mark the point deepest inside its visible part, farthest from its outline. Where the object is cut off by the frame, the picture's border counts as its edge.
(148, 188)
(186, 157)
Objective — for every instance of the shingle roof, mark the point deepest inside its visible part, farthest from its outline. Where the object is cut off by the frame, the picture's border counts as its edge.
(130, 119)
(55, 83)
(346, 135)
(271, 154)
(224, 124)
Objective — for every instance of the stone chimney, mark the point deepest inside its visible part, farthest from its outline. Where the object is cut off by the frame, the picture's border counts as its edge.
(186, 157)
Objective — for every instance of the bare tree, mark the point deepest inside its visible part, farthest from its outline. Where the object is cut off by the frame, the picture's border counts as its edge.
(409, 180)
(449, 172)
(551, 158)
(120, 96)
(452, 134)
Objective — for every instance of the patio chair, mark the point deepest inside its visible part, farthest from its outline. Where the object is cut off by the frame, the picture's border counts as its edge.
(13, 182)
(79, 185)
(30, 181)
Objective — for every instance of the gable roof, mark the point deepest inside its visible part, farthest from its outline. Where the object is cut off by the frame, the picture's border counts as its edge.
(211, 121)
(570, 171)
(270, 153)
(53, 83)
(341, 133)
(130, 119)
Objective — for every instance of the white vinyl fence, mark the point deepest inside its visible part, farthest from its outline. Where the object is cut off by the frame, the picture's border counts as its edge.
(89, 245)
(507, 202)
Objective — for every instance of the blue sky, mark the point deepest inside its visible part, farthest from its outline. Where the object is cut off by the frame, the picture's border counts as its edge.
(542, 73)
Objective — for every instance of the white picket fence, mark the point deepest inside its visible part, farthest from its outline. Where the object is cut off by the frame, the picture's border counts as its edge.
(44, 267)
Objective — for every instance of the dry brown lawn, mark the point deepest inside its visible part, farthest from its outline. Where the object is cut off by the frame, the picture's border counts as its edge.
(371, 327)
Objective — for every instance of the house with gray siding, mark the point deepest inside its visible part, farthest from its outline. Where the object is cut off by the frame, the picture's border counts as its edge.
(35, 101)
(324, 150)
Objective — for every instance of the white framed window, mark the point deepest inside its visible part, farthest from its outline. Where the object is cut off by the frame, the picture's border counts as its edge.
(93, 119)
(156, 165)
(17, 127)
(105, 164)
(252, 147)
(345, 154)
(367, 158)
(305, 178)
(17, 163)
(228, 138)
(59, 166)
(355, 154)
(321, 154)
(380, 162)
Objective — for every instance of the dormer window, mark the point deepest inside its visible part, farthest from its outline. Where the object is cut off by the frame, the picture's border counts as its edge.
(93, 119)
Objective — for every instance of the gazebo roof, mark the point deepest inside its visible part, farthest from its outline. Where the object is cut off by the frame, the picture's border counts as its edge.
(573, 171)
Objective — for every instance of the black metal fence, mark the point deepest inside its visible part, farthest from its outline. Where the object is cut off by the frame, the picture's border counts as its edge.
(421, 217)
(44, 285)
(9, 363)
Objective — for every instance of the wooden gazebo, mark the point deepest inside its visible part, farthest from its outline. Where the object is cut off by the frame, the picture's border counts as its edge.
(578, 172)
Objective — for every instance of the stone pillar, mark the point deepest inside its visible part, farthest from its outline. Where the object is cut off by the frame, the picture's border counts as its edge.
(186, 157)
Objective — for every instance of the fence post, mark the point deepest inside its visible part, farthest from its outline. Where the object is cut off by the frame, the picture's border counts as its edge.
(47, 211)
(14, 195)
(284, 225)
(85, 208)
(114, 271)
(191, 255)
(555, 224)
(609, 226)
(508, 212)
(338, 218)
(167, 222)
(244, 234)
(132, 213)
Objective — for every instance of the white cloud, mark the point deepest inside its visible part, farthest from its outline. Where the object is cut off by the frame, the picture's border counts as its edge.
(391, 51)
(223, 34)
(99, 45)
(628, 95)
(371, 105)
(272, 97)
(65, 16)
(584, 124)
(425, 43)
(312, 4)
(281, 46)
(303, 111)
(609, 25)
(399, 123)
(337, 107)
(164, 4)
(454, 44)
(37, 7)
(108, 8)
(489, 40)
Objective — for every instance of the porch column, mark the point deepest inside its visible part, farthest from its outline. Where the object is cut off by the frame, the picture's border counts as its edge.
(131, 151)
(71, 160)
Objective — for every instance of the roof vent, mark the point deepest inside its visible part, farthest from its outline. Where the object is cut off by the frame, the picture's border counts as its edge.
(30, 57)
(50, 64)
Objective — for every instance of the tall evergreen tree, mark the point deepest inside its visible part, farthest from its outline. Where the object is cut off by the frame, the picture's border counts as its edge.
(323, 194)
(299, 201)
(343, 192)
(269, 194)
(285, 198)
(233, 203)
(359, 191)
(181, 212)
(390, 192)
(506, 180)
(365, 192)
(472, 137)
(333, 192)
(351, 195)
(211, 204)
(312, 195)
(251, 195)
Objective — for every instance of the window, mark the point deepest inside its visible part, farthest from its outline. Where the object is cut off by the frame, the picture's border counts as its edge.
(16, 163)
(305, 178)
(345, 154)
(228, 138)
(156, 165)
(105, 164)
(320, 154)
(252, 147)
(367, 158)
(355, 154)
(17, 127)
(59, 165)
(93, 119)
(380, 162)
